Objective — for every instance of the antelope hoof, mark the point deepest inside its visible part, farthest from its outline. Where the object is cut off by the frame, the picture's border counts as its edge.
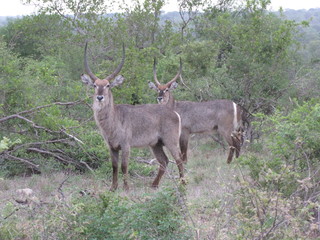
(183, 181)
(184, 159)
(126, 187)
(154, 186)
(113, 188)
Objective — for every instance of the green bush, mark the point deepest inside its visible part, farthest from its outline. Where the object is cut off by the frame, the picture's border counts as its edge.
(113, 217)
(280, 198)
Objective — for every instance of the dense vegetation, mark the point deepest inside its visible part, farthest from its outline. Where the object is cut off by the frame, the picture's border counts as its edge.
(266, 62)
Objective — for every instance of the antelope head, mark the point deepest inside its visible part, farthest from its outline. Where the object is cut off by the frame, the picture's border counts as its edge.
(102, 93)
(163, 89)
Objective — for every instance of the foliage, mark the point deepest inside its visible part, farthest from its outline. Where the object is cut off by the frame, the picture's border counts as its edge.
(246, 47)
(283, 188)
(294, 137)
(6, 144)
(246, 63)
(39, 119)
(31, 36)
(110, 216)
(238, 52)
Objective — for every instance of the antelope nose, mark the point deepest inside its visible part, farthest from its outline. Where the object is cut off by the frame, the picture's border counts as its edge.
(159, 99)
(99, 97)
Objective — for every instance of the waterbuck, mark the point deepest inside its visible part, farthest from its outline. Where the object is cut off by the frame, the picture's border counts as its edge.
(223, 116)
(124, 126)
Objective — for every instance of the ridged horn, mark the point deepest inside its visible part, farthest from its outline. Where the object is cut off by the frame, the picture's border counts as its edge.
(155, 72)
(86, 66)
(178, 74)
(118, 69)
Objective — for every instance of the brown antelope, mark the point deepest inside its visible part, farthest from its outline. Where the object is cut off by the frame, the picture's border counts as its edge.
(124, 126)
(223, 116)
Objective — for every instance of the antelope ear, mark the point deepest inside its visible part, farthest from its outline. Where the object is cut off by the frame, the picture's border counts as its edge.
(86, 80)
(173, 86)
(117, 81)
(152, 86)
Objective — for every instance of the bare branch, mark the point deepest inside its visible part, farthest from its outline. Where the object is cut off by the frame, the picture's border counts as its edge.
(63, 140)
(73, 137)
(17, 115)
(87, 166)
(41, 151)
(60, 187)
(182, 81)
(10, 214)
(31, 122)
(35, 166)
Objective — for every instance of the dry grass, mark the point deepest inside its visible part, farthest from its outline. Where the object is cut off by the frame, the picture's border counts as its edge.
(208, 197)
(211, 182)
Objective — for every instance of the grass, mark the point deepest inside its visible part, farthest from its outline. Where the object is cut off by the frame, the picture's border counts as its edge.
(211, 182)
(207, 198)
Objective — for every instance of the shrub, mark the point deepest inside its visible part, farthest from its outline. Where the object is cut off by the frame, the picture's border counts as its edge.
(280, 198)
(153, 216)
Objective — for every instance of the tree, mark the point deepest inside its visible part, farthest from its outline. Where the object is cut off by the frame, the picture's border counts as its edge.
(250, 50)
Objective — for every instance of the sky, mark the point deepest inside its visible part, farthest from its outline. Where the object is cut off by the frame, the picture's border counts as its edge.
(15, 7)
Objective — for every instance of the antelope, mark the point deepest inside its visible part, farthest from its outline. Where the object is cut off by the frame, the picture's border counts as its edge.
(223, 116)
(124, 126)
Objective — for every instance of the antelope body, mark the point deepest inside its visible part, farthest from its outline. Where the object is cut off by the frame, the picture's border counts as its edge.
(223, 116)
(124, 126)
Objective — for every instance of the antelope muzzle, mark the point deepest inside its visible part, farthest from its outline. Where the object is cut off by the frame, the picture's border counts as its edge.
(100, 98)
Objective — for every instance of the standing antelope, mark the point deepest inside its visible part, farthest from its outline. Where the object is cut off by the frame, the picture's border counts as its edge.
(124, 126)
(223, 116)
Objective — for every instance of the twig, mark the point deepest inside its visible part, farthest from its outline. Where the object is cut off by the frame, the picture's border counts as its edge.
(87, 166)
(27, 120)
(73, 137)
(41, 127)
(40, 107)
(149, 162)
(10, 214)
(182, 81)
(38, 143)
(23, 160)
(217, 140)
(38, 150)
(60, 187)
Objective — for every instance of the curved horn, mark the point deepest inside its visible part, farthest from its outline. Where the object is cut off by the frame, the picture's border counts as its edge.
(178, 74)
(118, 69)
(155, 73)
(86, 66)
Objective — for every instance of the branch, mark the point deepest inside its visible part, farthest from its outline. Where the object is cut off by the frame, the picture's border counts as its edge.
(60, 187)
(40, 127)
(41, 151)
(10, 214)
(17, 115)
(23, 160)
(87, 166)
(182, 81)
(73, 137)
(63, 140)
(27, 120)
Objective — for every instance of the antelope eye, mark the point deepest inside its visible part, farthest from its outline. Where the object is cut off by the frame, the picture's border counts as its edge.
(94, 85)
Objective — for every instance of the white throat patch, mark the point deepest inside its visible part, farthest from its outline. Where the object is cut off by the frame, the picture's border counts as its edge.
(235, 122)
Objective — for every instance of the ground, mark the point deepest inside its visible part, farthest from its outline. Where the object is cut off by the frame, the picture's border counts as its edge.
(210, 182)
